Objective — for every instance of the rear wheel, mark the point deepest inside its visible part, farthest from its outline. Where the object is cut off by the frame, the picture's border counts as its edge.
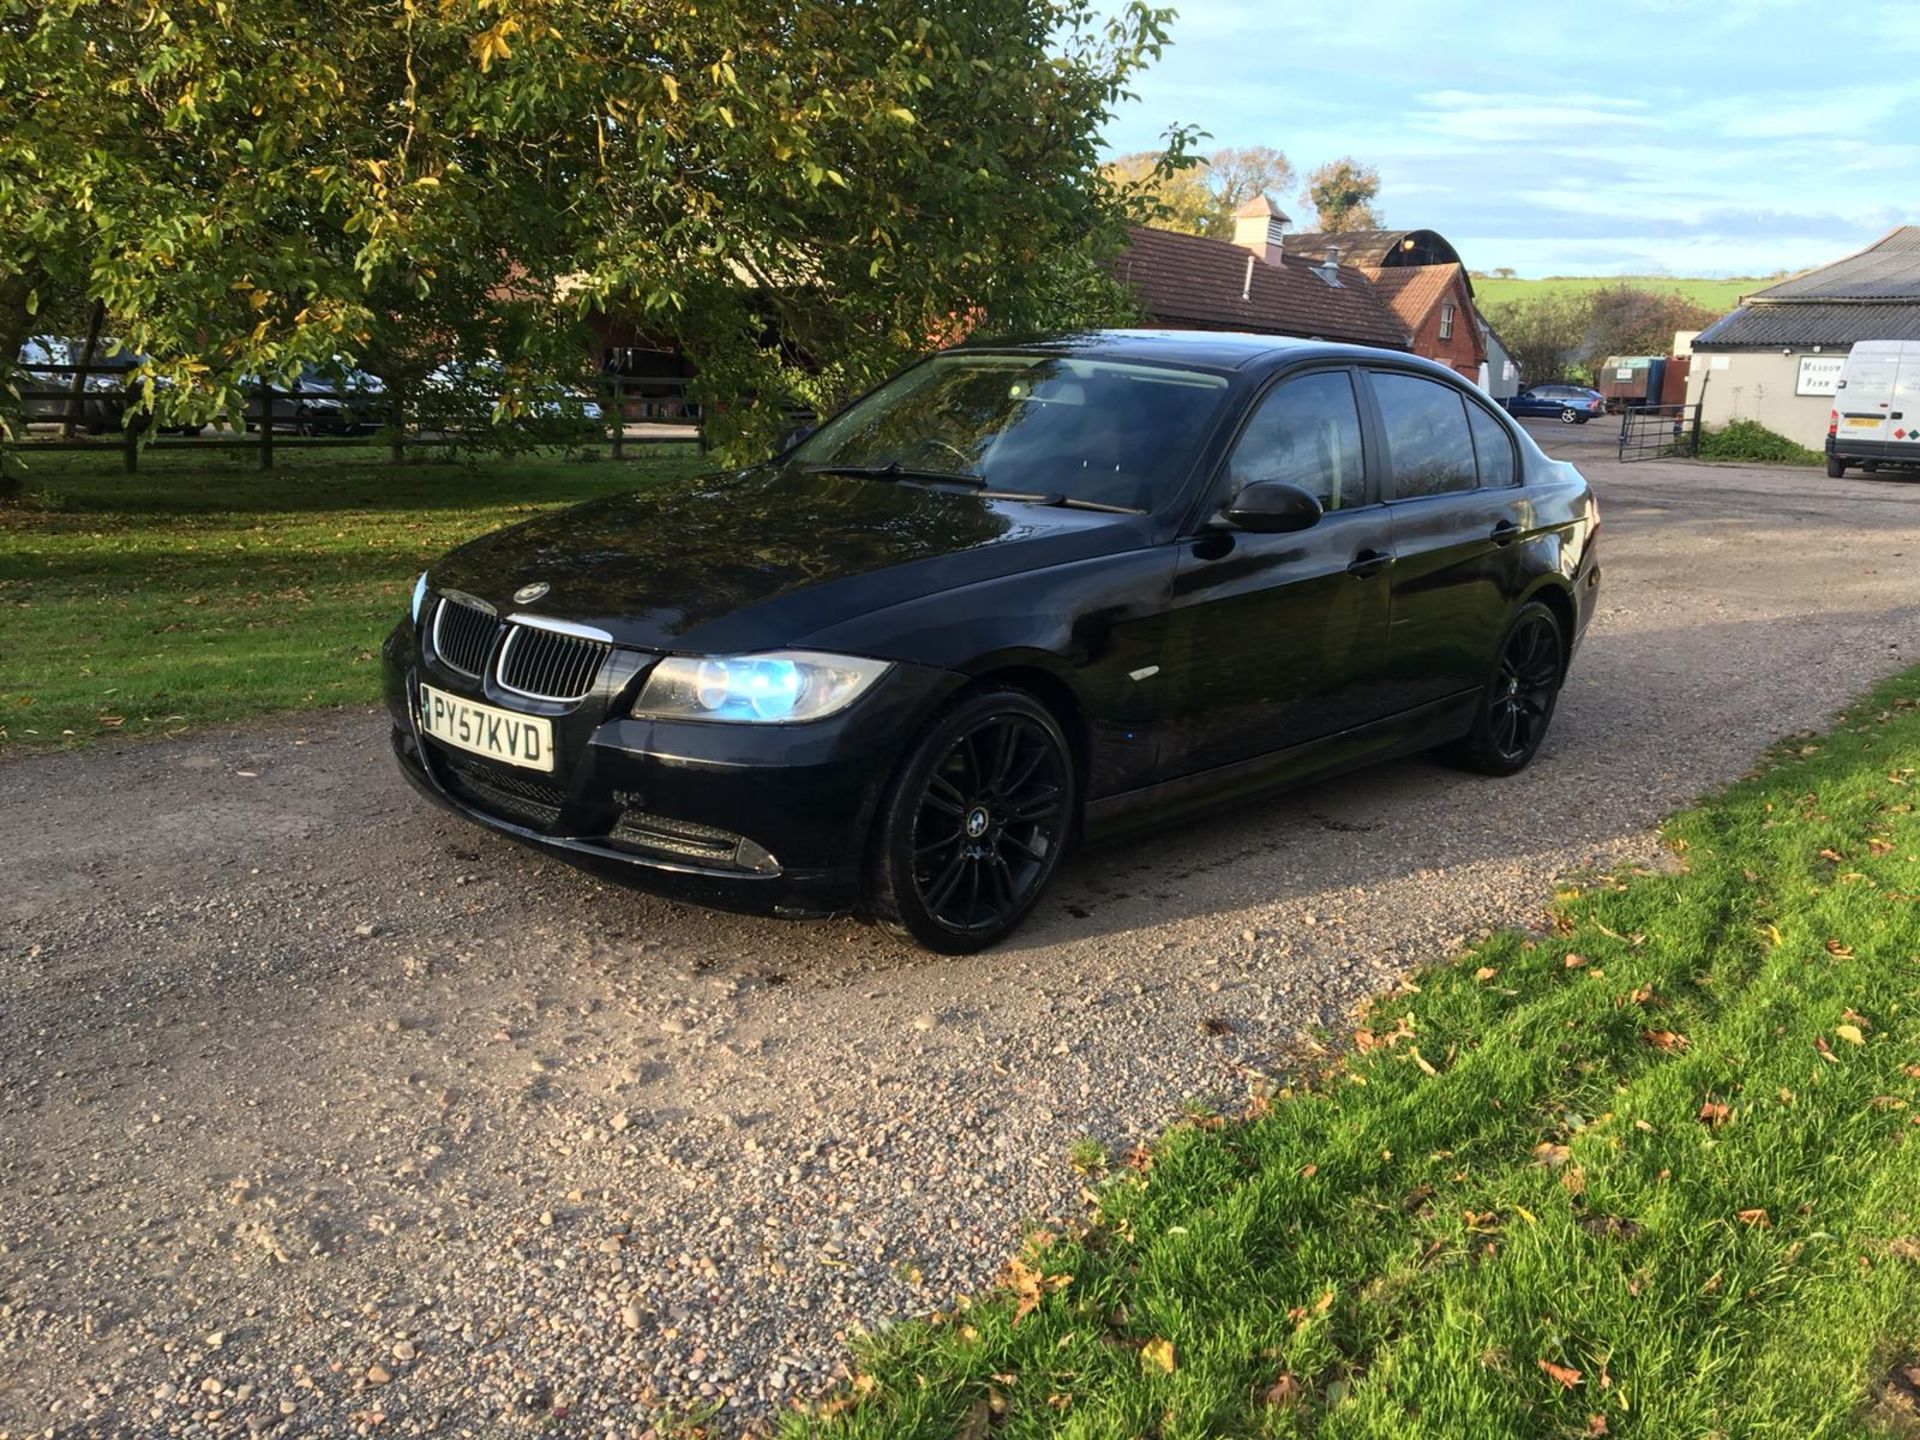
(1836, 467)
(1517, 705)
(974, 824)
(1569, 416)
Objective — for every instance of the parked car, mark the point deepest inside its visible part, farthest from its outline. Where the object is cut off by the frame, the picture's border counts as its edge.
(457, 394)
(341, 402)
(1016, 596)
(1574, 404)
(47, 387)
(1875, 420)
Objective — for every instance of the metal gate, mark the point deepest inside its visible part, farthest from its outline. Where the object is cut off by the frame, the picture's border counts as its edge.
(1653, 432)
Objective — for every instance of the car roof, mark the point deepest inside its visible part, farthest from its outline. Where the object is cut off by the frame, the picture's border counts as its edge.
(1211, 349)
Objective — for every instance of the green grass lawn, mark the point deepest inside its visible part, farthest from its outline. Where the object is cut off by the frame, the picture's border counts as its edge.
(1653, 1172)
(201, 590)
(1716, 295)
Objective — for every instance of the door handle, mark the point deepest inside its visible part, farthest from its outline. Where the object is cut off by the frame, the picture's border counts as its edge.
(1370, 562)
(1505, 533)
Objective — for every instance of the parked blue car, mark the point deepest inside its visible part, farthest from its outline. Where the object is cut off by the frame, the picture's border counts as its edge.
(1574, 404)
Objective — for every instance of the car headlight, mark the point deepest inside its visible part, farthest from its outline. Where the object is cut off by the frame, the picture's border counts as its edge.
(782, 686)
(419, 596)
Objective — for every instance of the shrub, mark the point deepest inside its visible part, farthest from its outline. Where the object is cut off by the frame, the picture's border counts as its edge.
(1750, 440)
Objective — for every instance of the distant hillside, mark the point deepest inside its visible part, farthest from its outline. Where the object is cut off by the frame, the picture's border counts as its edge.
(1716, 295)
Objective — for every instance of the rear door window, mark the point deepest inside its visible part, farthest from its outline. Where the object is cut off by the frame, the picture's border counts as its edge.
(1428, 443)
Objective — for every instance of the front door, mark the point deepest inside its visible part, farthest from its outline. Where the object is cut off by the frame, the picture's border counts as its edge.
(1282, 637)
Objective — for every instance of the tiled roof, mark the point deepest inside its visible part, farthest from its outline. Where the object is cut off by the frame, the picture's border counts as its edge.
(1191, 281)
(1412, 290)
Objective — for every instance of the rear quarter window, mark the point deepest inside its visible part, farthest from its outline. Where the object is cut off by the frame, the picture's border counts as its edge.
(1493, 447)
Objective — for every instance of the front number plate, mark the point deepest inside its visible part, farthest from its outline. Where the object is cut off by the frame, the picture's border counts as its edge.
(524, 740)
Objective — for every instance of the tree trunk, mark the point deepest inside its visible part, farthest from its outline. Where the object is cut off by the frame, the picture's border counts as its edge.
(16, 324)
(76, 396)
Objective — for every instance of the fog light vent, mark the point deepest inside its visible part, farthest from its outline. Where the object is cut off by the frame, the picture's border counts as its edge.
(691, 842)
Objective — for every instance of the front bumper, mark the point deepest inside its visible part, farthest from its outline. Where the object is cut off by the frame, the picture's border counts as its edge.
(762, 819)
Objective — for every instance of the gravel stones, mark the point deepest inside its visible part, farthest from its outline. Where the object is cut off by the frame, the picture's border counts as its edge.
(615, 1154)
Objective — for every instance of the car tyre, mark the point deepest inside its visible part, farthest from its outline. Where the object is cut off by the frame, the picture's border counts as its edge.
(974, 823)
(1516, 706)
(1836, 467)
(1569, 415)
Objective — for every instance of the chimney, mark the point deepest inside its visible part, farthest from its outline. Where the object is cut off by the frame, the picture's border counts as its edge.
(1333, 257)
(1260, 226)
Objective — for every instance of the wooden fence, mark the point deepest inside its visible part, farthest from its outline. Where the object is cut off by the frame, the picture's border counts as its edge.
(74, 404)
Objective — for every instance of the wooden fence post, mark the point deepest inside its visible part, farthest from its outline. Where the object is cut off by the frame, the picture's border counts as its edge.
(131, 452)
(617, 390)
(266, 424)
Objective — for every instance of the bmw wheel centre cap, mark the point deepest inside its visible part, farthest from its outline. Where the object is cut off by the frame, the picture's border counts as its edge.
(527, 594)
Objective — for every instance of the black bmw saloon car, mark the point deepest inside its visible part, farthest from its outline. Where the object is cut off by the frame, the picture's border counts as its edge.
(1016, 596)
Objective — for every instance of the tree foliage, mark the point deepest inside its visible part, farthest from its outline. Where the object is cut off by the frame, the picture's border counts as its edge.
(1342, 193)
(801, 195)
(1567, 334)
(1200, 198)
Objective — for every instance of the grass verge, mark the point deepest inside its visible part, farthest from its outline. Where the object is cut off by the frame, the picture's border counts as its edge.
(199, 591)
(1656, 1173)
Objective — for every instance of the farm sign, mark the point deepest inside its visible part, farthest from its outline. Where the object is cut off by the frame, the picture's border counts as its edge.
(1819, 375)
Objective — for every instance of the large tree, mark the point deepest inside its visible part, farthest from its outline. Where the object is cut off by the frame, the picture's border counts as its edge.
(1342, 193)
(1199, 196)
(802, 191)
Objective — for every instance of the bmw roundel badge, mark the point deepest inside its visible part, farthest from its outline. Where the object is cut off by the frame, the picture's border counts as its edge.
(527, 594)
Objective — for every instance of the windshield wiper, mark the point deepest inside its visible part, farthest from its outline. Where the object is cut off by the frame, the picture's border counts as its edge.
(1060, 501)
(894, 470)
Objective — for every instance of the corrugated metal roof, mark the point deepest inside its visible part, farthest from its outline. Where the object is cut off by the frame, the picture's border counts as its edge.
(1190, 280)
(1377, 247)
(1804, 323)
(1888, 269)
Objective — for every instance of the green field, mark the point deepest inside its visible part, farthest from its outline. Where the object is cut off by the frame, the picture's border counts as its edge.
(1650, 1171)
(202, 591)
(1716, 295)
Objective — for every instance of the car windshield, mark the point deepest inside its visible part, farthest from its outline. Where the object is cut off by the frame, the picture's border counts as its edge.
(1093, 430)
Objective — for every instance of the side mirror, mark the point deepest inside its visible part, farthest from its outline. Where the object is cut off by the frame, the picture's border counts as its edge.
(1272, 507)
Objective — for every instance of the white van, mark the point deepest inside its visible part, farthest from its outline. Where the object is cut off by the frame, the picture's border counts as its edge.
(1876, 409)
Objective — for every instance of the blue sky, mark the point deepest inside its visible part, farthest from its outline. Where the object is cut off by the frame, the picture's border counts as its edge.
(1691, 137)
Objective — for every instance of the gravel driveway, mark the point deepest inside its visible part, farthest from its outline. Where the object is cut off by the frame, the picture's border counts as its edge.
(323, 1112)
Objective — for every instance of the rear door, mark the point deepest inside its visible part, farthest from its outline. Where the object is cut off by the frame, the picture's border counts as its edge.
(1865, 399)
(1282, 637)
(1456, 569)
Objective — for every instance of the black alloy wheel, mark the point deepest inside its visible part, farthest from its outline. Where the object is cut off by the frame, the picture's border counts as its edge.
(1517, 706)
(974, 824)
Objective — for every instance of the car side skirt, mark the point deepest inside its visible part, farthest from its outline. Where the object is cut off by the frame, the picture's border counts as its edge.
(1406, 733)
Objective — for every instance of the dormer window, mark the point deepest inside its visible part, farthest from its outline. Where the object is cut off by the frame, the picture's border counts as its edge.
(1446, 322)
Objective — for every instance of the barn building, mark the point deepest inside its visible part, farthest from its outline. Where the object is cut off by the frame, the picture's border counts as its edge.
(1776, 359)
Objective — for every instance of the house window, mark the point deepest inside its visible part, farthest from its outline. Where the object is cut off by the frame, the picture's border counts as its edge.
(1446, 322)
